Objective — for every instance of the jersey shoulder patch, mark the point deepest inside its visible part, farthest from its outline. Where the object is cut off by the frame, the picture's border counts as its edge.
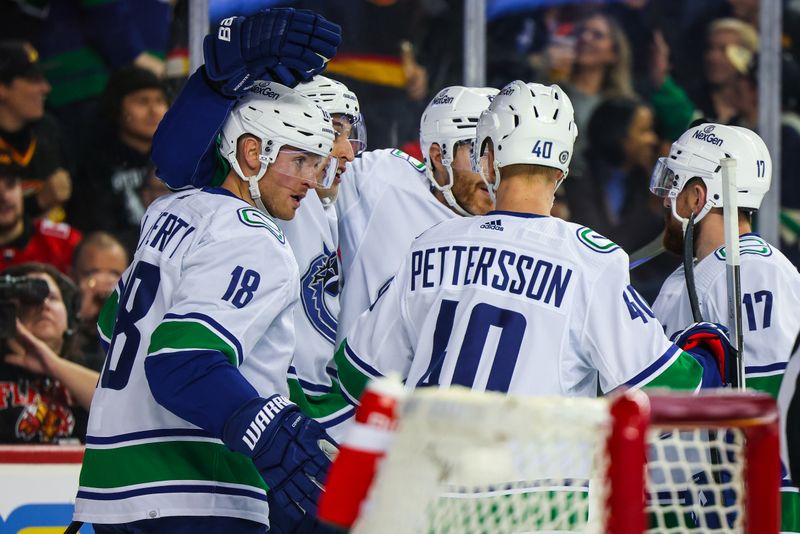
(748, 244)
(594, 241)
(253, 217)
(414, 162)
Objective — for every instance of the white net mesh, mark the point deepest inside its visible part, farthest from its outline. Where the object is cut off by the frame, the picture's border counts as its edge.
(487, 463)
(468, 462)
(695, 481)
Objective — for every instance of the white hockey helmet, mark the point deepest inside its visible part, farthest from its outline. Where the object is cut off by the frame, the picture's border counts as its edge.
(450, 119)
(335, 98)
(697, 153)
(279, 116)
(527, 123)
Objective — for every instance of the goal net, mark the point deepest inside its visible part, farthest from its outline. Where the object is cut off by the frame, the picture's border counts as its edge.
(468, 462)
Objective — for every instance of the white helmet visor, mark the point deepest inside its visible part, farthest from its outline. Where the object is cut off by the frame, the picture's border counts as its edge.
(669, 178)
(353, 127)
(315, 170)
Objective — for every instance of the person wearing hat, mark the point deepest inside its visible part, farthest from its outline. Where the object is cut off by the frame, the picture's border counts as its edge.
(113, 167)
(30, 139)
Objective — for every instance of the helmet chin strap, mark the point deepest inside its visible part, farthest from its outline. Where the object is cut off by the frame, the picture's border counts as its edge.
(491, 187)
(685, 222)
(252, 182)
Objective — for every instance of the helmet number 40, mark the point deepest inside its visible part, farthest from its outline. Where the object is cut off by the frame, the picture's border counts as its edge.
(543, 149)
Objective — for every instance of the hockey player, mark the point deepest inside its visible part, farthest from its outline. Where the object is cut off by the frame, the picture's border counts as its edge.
(690, 181)
(515, 300)
(314, 239)
(387, 198)
(190, 428)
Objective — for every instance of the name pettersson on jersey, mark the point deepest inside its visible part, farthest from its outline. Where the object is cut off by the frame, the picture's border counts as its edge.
(264, 417)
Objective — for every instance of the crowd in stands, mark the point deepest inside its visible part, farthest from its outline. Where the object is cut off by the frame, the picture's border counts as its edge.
(84, 84)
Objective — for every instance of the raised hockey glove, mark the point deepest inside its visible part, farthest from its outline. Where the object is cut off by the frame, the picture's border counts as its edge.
(289, 450)
(709, 344)
(282, 44)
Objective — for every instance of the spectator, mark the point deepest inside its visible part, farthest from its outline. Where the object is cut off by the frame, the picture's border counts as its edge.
(612, 197)
(717, 98)
(100, 259)
(83, 42)
(45, 394)
(601, 69)
(30, 138)
(113, 169)
(23, 239)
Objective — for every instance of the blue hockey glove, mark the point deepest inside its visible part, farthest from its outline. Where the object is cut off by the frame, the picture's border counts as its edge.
(283, 44)
(289, 450)
(709, 344)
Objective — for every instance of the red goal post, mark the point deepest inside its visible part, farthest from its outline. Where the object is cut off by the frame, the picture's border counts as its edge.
(465, 461)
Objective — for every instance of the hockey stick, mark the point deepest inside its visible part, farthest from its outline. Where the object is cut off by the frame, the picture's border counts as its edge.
(730, 213)
(74, 527)
(648, 252)
(688, 270)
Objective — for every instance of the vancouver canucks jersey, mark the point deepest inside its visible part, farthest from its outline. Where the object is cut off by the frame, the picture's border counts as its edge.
(770, 322)
(770, 304)
(514, 303)
(311, 235)
(210, 273)
(384, 204)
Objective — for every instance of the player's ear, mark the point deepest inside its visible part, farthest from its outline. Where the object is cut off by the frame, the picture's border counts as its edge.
(249, 148)
(697, 198)
(435, 155)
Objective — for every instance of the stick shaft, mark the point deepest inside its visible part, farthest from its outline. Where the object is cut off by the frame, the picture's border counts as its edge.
(730, 213)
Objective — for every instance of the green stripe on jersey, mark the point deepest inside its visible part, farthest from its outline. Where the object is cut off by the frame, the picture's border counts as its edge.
(108, 314)
(770, 384)
(790, 510)
(317, 405)
(164, 461)
(685, 373)
(352, 380)
(183, 335)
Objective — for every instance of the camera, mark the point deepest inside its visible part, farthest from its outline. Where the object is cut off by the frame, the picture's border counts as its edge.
(15, 290)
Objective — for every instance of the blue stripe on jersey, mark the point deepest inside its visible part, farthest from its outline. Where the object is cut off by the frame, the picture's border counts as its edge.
(177, 488)
(146, 434)
(517, 214)
(309, 386)
(216, 326)
(358, 362)
(773, 367)
(655, 367)
(346, 414)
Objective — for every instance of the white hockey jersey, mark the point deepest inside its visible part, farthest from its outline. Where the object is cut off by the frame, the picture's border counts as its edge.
(770, 323)
(384, 203)
(770, 304)
(313, 239)
(210, 272)
(514, 303)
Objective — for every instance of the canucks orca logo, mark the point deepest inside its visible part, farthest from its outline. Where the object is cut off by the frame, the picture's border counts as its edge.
(318, 285)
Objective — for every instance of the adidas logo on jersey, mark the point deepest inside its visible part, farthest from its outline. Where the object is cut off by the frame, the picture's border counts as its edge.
(493, 225)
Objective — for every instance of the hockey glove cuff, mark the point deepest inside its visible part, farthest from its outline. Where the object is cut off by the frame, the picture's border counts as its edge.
(709, 344)
(289, 450)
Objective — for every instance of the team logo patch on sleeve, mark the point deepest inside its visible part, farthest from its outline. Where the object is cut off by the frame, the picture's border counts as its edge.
(748, 244)
(414, 162)
(595, 241)
(256, 219)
